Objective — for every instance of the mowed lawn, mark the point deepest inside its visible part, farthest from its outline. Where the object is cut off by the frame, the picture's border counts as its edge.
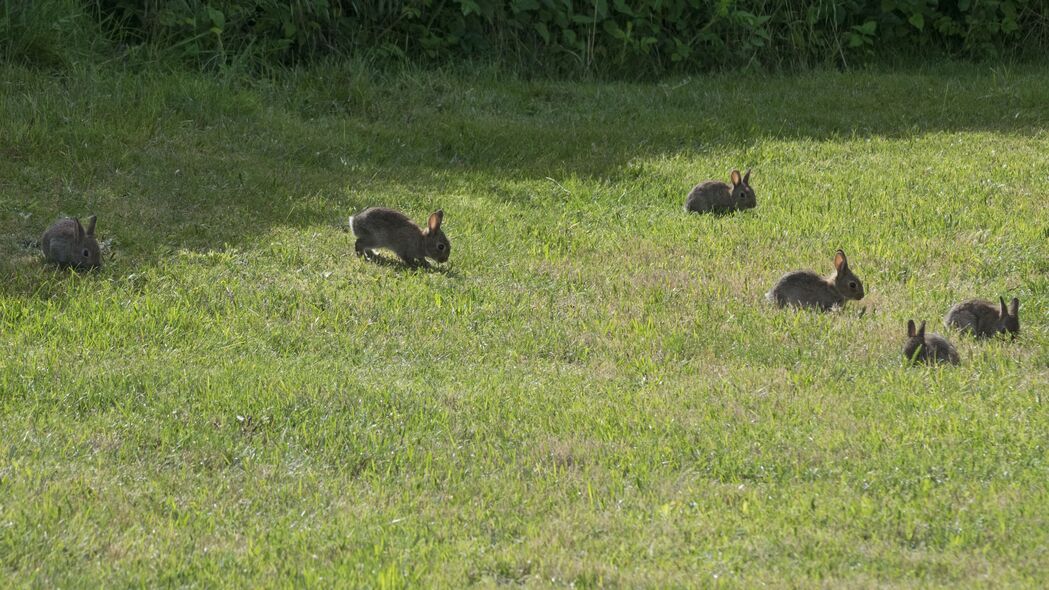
(593, 392)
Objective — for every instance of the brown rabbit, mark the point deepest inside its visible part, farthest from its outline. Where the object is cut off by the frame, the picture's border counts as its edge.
(984, 319)
(380, 227)
(931, 348)
(714, 196)
(69, 243)
(804, 288)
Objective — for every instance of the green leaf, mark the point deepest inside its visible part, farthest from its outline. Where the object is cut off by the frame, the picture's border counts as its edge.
(469, 7)
(601, 9)
(612, 28)
(917, 20)
(543, 31)
(217, 18)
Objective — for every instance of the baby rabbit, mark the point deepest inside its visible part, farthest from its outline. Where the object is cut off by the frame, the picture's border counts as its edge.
(931, 348)
(68, 243)
(379, 227)
(804, 288)
(714, 196)
(983, 319)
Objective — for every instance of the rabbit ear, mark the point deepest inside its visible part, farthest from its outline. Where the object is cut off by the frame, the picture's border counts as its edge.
(90, 229)
(79, 229)
(921, 330)
(840, 262)
(435, 220)
(746, 177)
(1005, 310)
(735, 178)
(910, 328)
(1014, 307)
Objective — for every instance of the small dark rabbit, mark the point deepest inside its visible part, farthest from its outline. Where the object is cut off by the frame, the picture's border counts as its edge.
(714, 196)
(380, 227)
(804, 288)
(927, 348)
(69, 243)
(984, 319)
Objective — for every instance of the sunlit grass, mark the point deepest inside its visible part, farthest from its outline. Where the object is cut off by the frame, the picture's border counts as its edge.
(592, 392)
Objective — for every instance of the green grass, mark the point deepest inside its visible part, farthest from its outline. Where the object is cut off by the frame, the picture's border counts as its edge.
(592, 392)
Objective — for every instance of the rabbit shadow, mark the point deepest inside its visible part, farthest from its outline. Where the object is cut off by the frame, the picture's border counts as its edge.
(718, 214)
(408, 267)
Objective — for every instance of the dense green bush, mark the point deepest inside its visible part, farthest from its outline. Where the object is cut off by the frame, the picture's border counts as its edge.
(606, 36)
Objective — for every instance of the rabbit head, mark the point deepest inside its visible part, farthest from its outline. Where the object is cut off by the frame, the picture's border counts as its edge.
(914, 349)
(434, 241)
(848, 284)
(86, 253)
(742, 194)
(1009, 317)
(913, 333)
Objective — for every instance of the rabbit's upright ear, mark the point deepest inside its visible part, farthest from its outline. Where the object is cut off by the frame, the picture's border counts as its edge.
(746, 177)
(435, 220)
(90, 229)
(79, 229)
(840, 262)
(735, 178)
(921, 331)
(1005, 310)
(1014, 307)
(910, 328)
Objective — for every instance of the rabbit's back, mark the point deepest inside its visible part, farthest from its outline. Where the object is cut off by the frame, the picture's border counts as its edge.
(59, 242)
(976, 315)
(804, 288)
(381, 227)
(711, 195)
(933, 349)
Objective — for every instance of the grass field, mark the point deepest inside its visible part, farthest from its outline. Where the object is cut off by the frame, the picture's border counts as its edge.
(591, 393)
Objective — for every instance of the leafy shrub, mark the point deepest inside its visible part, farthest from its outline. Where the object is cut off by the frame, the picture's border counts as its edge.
(644, 37)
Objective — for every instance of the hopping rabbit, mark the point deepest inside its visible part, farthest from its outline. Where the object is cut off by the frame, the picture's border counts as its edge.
(380, 227)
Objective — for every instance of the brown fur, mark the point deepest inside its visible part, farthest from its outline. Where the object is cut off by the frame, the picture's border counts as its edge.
(68, 243)
(804, 288)
(927, 348)
(984, 319)
(381, 227)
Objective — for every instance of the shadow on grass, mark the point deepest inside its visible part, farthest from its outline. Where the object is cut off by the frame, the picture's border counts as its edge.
(182, 161)
(397, 264)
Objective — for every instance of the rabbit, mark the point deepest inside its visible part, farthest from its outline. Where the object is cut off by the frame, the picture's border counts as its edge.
(931, 348)
(380, 227)
(804, 288)
(69, 243)
(984, 319)
(714, 196)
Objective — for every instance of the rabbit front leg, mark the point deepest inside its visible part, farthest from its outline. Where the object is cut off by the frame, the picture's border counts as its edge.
(363, 248)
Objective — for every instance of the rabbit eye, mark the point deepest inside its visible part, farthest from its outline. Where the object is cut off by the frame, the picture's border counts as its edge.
(86, 253)
(440, 247)
(852, 284)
